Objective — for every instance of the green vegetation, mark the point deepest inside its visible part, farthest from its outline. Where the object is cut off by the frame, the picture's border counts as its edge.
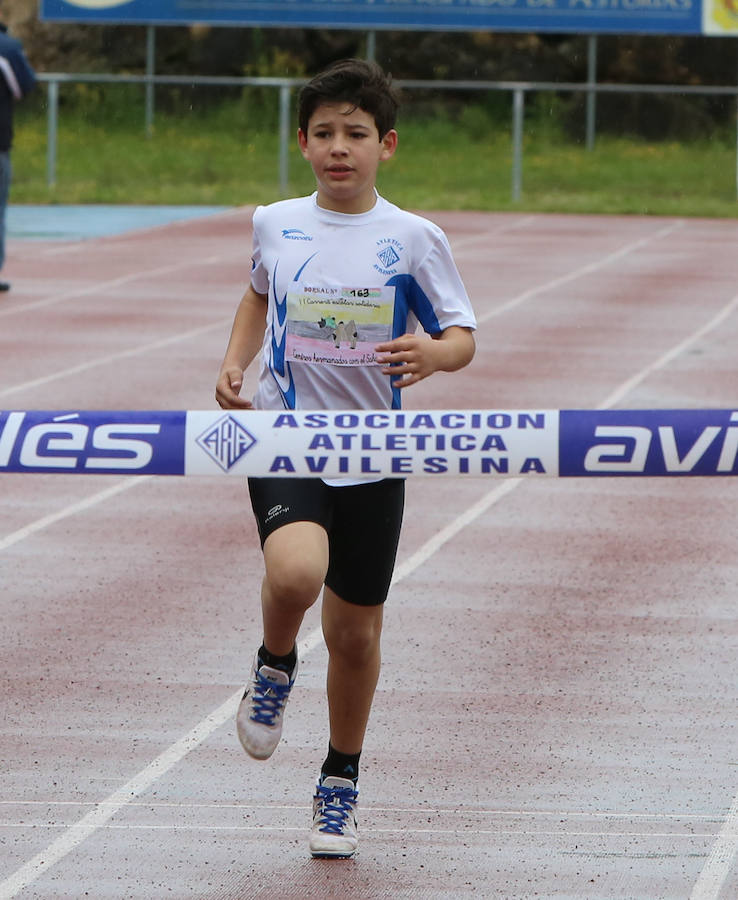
(229, 155)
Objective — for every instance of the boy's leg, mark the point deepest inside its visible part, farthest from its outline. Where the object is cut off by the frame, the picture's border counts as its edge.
(363, 544)
(352, 636)
(296, 561)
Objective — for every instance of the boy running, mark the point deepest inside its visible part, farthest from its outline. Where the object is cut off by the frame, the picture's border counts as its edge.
(336, 270)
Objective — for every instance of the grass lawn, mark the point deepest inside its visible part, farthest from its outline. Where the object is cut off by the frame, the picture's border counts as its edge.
(220, 159)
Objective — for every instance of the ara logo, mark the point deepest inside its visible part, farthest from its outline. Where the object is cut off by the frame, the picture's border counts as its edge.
(388, 254)
(388, 257)
(226, 442)
(295, 234)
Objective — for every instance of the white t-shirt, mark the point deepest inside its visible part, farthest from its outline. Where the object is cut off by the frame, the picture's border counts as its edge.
(337, 285)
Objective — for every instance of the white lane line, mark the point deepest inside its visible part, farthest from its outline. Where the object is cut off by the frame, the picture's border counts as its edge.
(720, 860)
(431, 546)
(156, 345)
(460, 244)
(447, 812)
(714, 872)
(578, 273)
(115, 357)
(468, 831)
(103, 812)
(81, 506)
(100, 287)
(627, 386)
(88, 246)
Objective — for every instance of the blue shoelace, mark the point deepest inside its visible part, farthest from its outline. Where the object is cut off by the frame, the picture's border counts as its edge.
(337, 803)
(268, 699)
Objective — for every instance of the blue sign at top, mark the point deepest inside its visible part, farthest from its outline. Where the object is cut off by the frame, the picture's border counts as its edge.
(562, 16)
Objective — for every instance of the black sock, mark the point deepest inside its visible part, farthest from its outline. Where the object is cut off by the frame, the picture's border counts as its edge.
(343, 765)
(282, 663)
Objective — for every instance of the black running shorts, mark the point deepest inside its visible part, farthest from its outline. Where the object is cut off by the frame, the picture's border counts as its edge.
(362, 522)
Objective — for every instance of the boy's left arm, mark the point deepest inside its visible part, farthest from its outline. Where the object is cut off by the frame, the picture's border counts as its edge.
(412, 357)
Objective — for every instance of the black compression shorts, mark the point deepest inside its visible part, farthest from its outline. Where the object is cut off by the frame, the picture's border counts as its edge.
(362, 522)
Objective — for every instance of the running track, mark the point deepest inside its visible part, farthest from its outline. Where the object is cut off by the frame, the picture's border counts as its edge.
(556, 714)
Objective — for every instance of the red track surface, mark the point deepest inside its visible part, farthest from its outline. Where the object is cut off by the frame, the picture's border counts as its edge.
(556, 715)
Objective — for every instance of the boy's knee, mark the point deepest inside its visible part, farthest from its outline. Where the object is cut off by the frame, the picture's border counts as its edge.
(358, 643)
(296, 559)
(296, 582)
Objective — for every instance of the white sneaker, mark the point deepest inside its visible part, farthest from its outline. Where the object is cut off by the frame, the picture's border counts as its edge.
(260, 713)
(334, 832)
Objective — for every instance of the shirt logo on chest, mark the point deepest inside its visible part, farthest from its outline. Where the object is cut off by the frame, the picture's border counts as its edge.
(295, 234)
(388, 255)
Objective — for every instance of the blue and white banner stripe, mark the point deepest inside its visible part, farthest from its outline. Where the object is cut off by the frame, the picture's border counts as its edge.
(372, 443)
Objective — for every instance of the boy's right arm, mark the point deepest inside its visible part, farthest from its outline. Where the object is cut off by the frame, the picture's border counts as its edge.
(246, 339)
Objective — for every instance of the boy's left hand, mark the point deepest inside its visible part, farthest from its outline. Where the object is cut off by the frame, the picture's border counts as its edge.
(412, 357)
(408, 358)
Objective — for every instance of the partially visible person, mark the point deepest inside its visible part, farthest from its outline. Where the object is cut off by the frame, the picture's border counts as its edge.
(18, 78)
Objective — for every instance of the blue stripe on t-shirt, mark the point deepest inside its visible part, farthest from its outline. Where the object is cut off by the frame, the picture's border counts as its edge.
(410, 297)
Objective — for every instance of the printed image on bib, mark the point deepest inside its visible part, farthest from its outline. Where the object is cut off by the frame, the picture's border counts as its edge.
(340, 326)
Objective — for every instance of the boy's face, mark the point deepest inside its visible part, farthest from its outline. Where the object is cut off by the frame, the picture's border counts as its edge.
(343, 147)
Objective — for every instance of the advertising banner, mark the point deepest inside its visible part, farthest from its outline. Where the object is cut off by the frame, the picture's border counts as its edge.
(563, 16)
(373, 444)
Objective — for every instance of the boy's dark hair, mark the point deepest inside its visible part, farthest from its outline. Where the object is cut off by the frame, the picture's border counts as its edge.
(358, 82)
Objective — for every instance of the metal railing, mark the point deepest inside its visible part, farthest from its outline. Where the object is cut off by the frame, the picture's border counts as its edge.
(285, 86)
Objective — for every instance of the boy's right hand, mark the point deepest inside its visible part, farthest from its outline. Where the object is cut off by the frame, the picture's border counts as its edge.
(228, 387)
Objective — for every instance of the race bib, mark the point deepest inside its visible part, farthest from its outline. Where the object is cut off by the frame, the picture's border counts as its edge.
(340, 326)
